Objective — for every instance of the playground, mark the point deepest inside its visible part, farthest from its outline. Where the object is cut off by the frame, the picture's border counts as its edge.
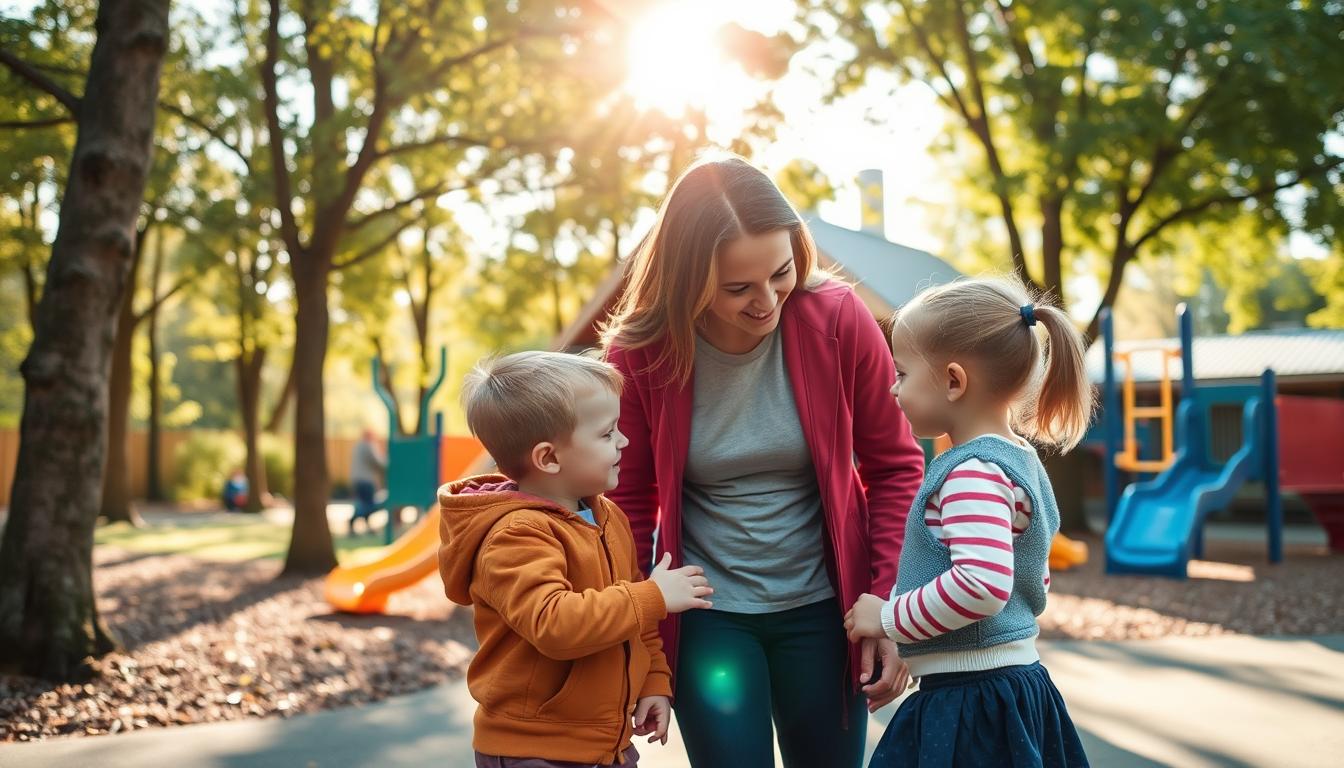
(1164, 587)
(212, 635)
(250, 251)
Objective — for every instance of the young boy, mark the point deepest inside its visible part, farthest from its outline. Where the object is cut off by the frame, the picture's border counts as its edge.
(570, 664)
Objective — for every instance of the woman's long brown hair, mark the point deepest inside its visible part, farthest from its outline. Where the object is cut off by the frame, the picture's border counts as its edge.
(673, 273)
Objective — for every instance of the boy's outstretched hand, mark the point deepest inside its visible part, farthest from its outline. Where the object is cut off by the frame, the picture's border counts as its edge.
(684, 588)
(652, 714)
(865, 618)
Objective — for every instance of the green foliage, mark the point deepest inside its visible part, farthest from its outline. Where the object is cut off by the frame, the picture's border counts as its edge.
(39, 136)
(1093, 134)
(15, 336)
(804, 184)
(506, 173)
(1328, 276)
(179, 411)
(202, 378)
(277, 454)
(203, 462)
(206, 458)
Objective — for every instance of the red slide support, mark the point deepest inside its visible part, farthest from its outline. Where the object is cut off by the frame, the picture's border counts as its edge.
(1311, 458)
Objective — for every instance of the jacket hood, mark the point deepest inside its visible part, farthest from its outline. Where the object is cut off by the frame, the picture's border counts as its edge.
(468, 511)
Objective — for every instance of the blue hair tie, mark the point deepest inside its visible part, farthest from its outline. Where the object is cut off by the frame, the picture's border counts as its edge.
(1028, 314)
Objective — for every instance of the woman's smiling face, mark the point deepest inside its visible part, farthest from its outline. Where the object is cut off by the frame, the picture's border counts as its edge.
(755, 274)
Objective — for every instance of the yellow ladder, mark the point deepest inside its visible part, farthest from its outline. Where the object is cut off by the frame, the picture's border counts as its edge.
(1128, 458)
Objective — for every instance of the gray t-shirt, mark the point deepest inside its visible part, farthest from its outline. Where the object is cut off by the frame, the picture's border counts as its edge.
(366, 465)
(751, 509)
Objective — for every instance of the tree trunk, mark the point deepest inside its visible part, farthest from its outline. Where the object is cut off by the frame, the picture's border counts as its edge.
(116, 498)
(1052, 246)
(248, 369)
(1124, 253)
(154, 480)
(49, 623)
(557, 311)
(282, 405)
(311, 551)
(30, 221)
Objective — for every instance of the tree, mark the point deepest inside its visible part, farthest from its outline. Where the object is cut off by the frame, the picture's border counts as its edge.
(170, 198)
(228, 228)
(419, 270)
(239, 323)
(461, 92)
(116, 497)
(804, 184)
(36, 133)
(1109, 127)
(52, 41)
(49, 622)
(154, 489)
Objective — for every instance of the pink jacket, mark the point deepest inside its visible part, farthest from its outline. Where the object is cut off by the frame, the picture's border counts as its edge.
(868, 463)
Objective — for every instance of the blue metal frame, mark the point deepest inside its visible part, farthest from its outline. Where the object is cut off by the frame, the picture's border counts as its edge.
(421, 447)
(1273, 497)
(1110, 415)
(1257, 459)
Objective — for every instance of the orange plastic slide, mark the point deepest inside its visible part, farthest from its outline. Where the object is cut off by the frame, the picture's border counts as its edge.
(413, 556)
(1065, 553)
(365, 588)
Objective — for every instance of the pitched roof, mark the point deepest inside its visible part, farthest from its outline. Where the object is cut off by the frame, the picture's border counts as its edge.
(1289, 351)
(894, 272)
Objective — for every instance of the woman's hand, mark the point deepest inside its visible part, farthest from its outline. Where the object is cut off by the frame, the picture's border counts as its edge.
(895, 678)
(863, 624)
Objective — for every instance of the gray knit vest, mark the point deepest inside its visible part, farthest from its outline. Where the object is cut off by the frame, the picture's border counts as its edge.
(924, 557)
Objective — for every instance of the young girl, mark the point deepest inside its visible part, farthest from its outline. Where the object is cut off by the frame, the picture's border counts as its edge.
(973, 575)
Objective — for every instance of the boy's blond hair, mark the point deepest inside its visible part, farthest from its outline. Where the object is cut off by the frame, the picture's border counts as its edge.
(519, 400)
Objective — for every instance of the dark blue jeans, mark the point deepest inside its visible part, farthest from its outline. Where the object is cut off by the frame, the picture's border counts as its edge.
(365, 504)
(737, 672)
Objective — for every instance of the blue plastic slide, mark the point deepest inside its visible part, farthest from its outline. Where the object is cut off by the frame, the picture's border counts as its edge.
(1158, 523)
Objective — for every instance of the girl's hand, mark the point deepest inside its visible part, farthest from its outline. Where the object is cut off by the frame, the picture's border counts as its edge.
(652, 714)
(865, 618)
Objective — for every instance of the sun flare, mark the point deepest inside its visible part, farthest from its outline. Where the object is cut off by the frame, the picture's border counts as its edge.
(676, 63)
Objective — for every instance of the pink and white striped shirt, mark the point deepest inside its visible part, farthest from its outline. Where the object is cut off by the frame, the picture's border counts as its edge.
(977, 512)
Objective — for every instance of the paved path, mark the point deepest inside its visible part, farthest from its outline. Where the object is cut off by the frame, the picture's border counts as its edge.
(1220, 701)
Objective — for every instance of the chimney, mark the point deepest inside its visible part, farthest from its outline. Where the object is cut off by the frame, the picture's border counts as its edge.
(871, 211)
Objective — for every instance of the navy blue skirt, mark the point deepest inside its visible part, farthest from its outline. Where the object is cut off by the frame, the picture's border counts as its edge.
(1013, 716)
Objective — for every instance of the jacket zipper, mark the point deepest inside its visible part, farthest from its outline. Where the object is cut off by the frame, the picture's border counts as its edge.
(625, 678)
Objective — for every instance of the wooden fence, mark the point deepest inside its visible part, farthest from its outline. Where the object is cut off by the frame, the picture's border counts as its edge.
(339, 450)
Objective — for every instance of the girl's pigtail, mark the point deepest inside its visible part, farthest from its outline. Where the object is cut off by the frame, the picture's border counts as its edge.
(1064, 406)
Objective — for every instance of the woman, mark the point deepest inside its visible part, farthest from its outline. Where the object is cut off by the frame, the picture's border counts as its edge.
(754, 383)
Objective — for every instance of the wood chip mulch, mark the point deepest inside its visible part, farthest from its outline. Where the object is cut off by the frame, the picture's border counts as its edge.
(208, 641)
(1234, 591)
